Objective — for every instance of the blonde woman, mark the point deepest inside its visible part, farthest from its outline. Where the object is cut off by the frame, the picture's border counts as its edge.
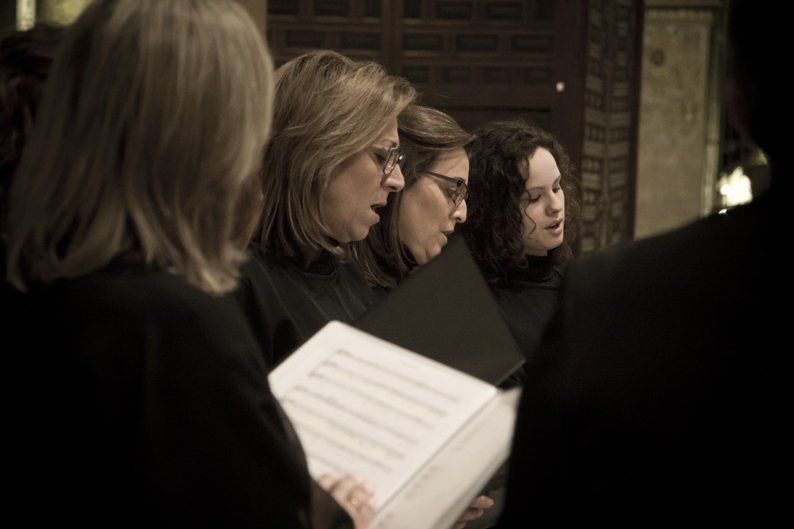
(333, 161)
(146, 403)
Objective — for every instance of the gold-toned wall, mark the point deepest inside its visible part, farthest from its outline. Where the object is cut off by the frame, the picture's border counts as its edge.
(59, 11)
(679, 120)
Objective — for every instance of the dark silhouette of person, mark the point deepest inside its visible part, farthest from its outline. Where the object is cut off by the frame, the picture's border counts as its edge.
(660, 394)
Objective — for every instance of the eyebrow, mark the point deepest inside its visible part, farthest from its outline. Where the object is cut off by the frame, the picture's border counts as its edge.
(390, 143)
(556, 181)
(449, 178)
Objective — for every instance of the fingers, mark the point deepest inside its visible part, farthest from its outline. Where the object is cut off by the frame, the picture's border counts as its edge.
(352, 493)
(348, 491)
(327, 481)
(365, 513)
(481, 502)
(471, 514)
(476, 509)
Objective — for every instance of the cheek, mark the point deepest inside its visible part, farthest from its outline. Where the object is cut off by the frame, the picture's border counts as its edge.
(433, 211)
(408, 221)
(527, 221)
(436, 208)
(332, 202)
(416, 223)
(356, 184)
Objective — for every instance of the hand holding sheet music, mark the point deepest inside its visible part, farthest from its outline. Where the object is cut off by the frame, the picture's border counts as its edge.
(408, 424)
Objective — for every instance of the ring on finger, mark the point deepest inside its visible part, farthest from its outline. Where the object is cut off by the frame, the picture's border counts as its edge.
(355, 501)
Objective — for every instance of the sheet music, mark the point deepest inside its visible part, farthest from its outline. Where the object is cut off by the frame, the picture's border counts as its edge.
(444, 488)
(364, 406)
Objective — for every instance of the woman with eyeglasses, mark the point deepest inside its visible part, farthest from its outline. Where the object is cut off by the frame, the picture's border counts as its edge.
(331, 165)
(522, 220)
(417, 223)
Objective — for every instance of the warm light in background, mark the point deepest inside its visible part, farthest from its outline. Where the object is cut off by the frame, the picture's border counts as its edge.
(56, 12)
(60, 12)
(735, 188)
(26, 14)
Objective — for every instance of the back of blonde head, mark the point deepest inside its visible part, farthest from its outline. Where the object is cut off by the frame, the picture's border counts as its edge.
(149, 135)
(327, 108)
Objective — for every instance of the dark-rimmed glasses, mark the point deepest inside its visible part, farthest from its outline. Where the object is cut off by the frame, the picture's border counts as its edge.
(461, 190)
(392, 158)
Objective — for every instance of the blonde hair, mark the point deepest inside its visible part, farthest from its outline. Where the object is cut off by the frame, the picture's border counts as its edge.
(149, 136)
(426, 134)
(327, 108)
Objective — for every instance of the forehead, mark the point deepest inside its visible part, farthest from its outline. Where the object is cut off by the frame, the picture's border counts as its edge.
(388, 134)
(454, 163)
(540, 168)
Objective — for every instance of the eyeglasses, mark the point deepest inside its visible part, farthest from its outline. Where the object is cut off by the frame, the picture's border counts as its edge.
(461, 190)
(390, 160)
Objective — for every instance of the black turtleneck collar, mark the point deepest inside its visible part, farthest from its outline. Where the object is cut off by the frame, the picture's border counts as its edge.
(536, 268)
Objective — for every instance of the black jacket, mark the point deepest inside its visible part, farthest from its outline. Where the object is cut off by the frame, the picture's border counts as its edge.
(527, 297)
(660, 395)
(286, 304)
(143, 402)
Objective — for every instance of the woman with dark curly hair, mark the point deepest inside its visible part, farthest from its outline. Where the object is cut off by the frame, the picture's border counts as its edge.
(522, 219)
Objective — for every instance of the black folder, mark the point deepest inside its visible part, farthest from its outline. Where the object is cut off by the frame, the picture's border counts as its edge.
(446, 311)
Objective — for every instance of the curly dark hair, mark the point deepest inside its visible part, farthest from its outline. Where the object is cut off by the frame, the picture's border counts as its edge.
(425, 135)
(25, 59)
(497, 194)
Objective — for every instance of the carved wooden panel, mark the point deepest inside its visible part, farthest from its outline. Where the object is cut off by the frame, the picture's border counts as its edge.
(356, 28)
(608, 162)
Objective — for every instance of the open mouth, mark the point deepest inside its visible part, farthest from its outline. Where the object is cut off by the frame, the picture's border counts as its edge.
(555, 225)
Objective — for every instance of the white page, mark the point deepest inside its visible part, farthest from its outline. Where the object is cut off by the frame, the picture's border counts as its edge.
(441, 492)
(365, 406)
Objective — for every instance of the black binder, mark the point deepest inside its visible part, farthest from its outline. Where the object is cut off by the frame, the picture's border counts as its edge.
(446, 311)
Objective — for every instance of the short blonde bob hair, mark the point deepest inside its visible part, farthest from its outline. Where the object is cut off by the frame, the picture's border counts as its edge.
(148, 139)
(327, 108)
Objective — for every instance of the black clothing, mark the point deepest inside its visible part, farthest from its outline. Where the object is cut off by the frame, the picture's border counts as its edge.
(286, 304)
(12, 302)
(152, 409)
(659, 395)
(527, 298)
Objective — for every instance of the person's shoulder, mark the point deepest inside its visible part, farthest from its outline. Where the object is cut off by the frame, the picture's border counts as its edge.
(257, 261)
(717, 245)
(266, 276)
(151, 291)
(263, 266)
(138, 297)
